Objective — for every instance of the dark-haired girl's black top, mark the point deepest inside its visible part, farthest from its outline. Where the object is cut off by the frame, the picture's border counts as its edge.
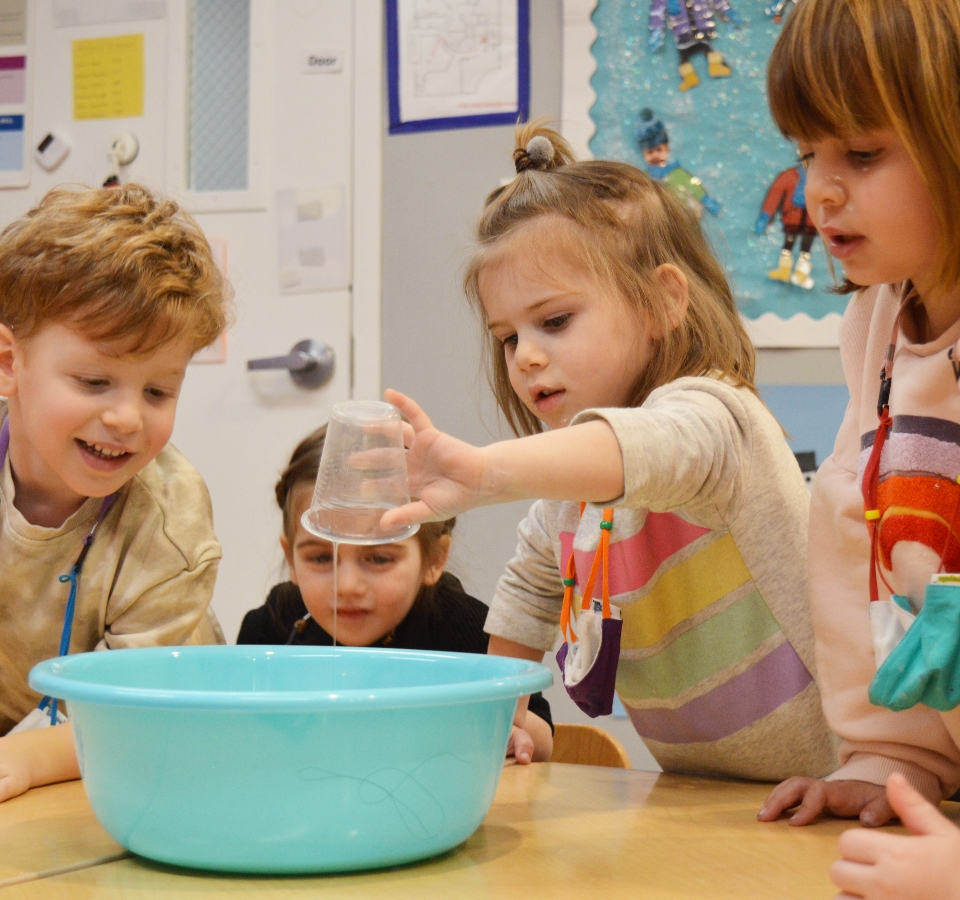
(448, 619)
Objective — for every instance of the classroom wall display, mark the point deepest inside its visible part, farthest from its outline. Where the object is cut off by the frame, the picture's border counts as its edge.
(678, 88)
(108, 77)
(457, 63)
(15, 88)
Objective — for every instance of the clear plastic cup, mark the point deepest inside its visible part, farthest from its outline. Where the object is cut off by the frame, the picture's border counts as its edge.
(363, 473)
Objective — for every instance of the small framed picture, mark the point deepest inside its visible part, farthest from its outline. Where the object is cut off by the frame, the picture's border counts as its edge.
(460, 64)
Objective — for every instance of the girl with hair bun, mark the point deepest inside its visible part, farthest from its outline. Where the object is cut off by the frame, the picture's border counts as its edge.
(669, 543)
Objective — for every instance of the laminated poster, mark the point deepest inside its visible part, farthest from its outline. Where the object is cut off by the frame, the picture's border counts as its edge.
(108, 77)
(457, 63)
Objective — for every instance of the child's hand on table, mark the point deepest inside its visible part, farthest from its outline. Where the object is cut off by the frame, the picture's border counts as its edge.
(519, 748)
(879, 866)
(32, 758)
(847, 799)
(14, 769)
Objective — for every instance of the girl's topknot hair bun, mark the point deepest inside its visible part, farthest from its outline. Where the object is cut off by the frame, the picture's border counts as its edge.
(538, 154)
(541, 148)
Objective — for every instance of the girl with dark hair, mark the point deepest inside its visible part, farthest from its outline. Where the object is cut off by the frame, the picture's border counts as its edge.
(388, 595)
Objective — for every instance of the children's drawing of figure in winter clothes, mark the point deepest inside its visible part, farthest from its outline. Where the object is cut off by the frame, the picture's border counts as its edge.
(778, 9)
(693, 25)
(785, 195)
(654, 143)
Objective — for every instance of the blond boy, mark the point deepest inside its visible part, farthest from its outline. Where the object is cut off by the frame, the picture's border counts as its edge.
(104, 297)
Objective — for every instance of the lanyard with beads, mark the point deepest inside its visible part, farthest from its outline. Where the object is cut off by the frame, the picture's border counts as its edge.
(72, 577)
(871, 473)
(600, 558)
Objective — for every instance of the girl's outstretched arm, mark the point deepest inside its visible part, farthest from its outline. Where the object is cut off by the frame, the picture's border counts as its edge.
(582, 462)
(879, 866)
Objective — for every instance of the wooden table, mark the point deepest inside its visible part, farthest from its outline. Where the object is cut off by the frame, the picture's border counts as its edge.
(553, 829)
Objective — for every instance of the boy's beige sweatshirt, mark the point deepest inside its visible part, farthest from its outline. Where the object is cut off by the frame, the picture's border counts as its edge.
(921, 459)
(147, 580)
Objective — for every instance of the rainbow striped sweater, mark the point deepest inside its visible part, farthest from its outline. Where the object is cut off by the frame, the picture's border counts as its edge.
(708, 569)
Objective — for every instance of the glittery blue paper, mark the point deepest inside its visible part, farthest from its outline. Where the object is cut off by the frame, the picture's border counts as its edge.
(721, 131)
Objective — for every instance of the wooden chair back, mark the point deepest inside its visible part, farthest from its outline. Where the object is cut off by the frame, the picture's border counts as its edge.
(588, 745)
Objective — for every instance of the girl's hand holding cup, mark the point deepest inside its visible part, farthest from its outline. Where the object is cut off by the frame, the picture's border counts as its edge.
(447, 475)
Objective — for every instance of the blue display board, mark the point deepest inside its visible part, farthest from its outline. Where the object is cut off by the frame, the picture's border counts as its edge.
(721, 134)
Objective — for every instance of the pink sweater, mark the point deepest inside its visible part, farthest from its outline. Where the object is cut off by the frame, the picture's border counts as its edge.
(917, 493)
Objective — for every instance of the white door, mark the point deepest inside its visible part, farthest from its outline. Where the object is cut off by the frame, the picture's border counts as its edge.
(313, 129)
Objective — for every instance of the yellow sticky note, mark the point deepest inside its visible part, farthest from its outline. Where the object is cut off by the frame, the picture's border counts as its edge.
(108, 77)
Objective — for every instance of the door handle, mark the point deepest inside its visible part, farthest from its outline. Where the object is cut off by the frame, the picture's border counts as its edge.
(310, 364)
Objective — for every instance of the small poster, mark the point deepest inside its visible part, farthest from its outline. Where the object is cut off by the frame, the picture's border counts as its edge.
(457, 63)
(13, 23)
(11, 143)
(73, 13)
(14, 109)
(13, 79)
(108, 77)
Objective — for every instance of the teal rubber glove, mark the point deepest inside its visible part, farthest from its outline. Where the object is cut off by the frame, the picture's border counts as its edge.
(925, 666)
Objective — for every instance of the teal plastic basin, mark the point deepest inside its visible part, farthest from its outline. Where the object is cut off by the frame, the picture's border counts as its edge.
(289, 759)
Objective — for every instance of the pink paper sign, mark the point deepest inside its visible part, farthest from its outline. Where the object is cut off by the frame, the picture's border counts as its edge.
(13, 80)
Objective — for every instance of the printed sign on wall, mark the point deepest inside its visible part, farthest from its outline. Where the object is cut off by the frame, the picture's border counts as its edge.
(108, 77)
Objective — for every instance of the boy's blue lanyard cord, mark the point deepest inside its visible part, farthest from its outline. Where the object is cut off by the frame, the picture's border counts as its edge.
(73, 577)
